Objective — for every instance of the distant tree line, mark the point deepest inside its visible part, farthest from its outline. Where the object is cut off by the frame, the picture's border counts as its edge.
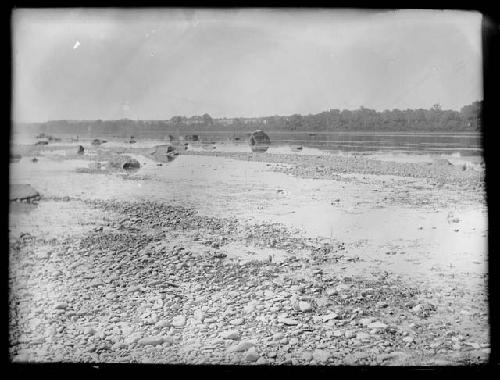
(362, 119)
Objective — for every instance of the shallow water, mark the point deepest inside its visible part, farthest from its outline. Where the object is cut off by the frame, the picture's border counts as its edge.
(466, 143)
(347, 211)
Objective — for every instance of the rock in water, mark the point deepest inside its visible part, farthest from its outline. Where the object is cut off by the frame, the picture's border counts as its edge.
(131, 164)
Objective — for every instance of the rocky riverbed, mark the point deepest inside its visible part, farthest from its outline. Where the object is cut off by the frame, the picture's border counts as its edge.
(282, 259)
(439, 173)
(151, 284)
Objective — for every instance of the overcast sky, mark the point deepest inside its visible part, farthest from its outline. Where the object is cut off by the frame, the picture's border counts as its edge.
(155, 64)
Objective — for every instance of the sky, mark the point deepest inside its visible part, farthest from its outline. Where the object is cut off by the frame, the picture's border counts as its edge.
(154, 64)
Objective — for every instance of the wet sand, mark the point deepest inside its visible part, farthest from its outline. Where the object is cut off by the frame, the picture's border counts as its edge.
(296, 241)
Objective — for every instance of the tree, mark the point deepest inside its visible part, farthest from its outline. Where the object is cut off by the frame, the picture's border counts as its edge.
(296, 121)
(436, 107)
(207, 119)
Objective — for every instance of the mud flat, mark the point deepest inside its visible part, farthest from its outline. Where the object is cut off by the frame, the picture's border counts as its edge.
(220, 261)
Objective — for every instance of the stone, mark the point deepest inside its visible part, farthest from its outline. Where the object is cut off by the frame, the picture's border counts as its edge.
(151, 341)
(250, 306)
(199, 315)
(306, 356)
(349, 334)
(251, 357)
(417, 308)
(162, 324)
(261, 361)
(278, 336)
(377, 325)
(179, 321)
(241, 347)
(230, 334)
(365, 321)
(131, 339)
(355, 358)
(288, 321)
(89, 331)
(168, 340)
(342, 287)
(321, 302)
(237, 321)
(305, 306)
(328, 317)
(42, 255)
(320, 356)
(363, 336)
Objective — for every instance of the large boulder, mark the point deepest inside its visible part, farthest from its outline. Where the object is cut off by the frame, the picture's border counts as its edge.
(164, 153)
(98, 142)
(131, 164)
(259, 141)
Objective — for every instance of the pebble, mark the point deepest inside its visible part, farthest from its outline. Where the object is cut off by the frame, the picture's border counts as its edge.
(305, 306)
(199, 315)
(278, 336)
(230, 334)
(363, 336)
(179, 321)
(366, 321)
(377, 325)
(237, 322)
(241, 347)
(288, 321)
(417, 308)
(349, 334)
(162, 324)
(328, 317)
